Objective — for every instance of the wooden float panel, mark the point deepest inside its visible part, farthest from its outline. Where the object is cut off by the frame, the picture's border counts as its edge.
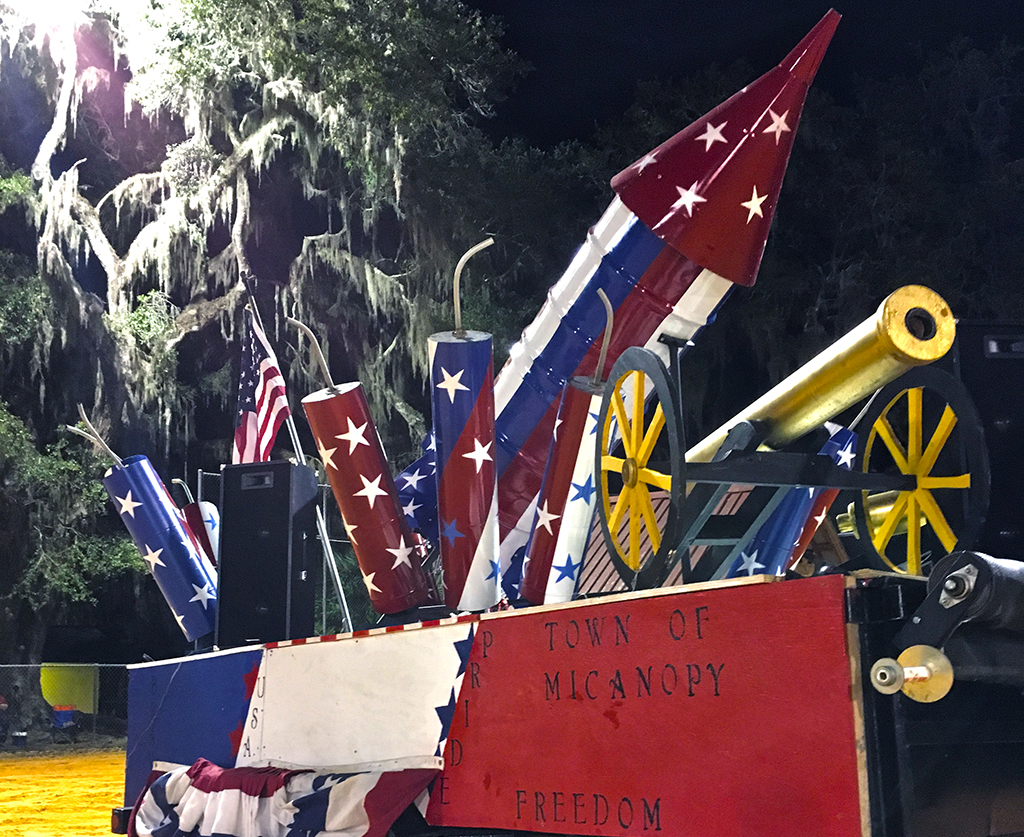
(732, 710)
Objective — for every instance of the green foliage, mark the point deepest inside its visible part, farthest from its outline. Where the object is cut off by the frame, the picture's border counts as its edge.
(13, 188)
(150, 324)
(23, 300)
(60, 552)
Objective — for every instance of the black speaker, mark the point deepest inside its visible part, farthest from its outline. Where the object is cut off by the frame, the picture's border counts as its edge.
(268, 560)
(990, 356)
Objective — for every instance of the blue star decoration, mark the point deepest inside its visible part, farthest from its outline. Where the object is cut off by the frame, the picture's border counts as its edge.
(568, 569)
(463, 647)
(586, 491)
(445, 715)
(495, 570)
(210, 521)
(596, 418)
(451, 532)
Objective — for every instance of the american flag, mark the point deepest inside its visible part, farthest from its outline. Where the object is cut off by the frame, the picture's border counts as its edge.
(262, 402)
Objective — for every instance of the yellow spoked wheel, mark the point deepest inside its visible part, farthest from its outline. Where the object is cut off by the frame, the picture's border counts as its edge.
(924, 424)
(640, 468)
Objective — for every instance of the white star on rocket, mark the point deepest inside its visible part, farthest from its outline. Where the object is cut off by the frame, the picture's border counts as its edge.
(354, 436)
(413, 480)
(544, 518)
(326, 455)
(754, 205)
(778, 126)
(401, 554)
(370, 586)
(153, 558)
(647, 160)
(845, 456)
(410, 509)
(371, 489)
(451, 383)
(203, 594)
(127, 505)
(479, 454)
(349, 529)
(711, 135)
(687, 198)
(749, 563)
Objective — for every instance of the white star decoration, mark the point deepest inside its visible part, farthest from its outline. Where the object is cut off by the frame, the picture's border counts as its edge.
(410, 509)
(127, 506)
(451, 383)
(153, 558)
(354, 436)
(479, 454)
(371, 489)
(846, 456)
(749, 563)
(412, 480)
(711, 135)
(349, 529)
(647, 160)
(754, 205)
(370, 586)
(687, 198)
(778, 126)
(203, 594)
(326, 455)
(401, 553)
(545, 518)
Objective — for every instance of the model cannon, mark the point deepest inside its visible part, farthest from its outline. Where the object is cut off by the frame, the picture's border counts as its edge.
(922, 472)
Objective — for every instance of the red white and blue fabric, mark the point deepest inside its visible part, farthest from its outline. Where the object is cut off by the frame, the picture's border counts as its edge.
(209, 801)
(262, 401)
(771, 550)
(185, 576)
(360, 478)
(462, 401)
(567, 501)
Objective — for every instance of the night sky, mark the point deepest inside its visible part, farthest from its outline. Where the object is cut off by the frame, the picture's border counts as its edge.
(588, 54)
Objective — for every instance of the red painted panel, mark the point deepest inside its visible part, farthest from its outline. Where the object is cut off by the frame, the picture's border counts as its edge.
(707, 713)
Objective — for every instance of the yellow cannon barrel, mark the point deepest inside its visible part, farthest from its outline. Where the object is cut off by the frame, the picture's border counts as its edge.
(913, 326)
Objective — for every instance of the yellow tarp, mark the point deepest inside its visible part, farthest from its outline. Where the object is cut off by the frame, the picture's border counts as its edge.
(69, 685)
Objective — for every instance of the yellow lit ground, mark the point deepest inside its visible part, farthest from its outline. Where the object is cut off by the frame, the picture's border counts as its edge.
(67, 794)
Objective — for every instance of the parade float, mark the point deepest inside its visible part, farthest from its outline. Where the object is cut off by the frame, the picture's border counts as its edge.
(627, 637)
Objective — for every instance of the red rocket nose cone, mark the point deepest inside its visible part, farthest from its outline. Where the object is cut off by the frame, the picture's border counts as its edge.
(710, 191)
(803, 61)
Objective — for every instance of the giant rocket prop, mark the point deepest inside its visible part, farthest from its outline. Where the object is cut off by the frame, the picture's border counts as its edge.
(185, 576)
(462, 401)
(360, 478)
(689, 221)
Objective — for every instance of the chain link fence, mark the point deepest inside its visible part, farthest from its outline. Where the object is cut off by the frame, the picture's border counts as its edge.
(62, 703)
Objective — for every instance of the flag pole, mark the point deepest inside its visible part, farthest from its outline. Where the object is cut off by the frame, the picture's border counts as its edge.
(321, 523)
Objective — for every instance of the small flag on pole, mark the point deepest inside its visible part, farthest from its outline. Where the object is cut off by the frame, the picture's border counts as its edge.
(262, 402)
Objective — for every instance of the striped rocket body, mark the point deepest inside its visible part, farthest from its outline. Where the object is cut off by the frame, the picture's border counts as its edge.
(360, 478)
(567, 500)
(653, 289)
(689, 220)
(185, 576)
(462, 402)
